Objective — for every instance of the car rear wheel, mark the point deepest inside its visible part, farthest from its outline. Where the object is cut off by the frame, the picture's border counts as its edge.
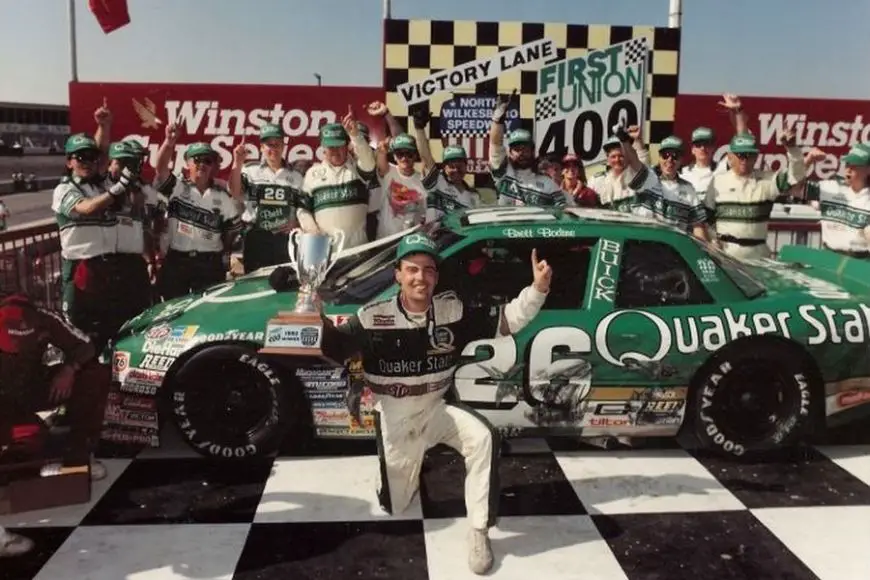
(754, 396)
(228, 403)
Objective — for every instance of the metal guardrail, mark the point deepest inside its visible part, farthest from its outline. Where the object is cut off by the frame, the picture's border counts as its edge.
(30, 263)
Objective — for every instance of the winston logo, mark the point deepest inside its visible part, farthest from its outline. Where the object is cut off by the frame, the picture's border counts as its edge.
(147, 113)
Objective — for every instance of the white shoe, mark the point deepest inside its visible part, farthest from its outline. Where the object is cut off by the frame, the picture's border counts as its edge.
(14, 545)
(98, 470)
(479, 551)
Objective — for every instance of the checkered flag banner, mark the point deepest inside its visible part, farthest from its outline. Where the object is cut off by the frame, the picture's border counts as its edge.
(635, 51)
(545, 107)
(463, 133)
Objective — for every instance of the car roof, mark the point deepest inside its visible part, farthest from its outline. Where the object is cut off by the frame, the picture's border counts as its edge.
(473, 221)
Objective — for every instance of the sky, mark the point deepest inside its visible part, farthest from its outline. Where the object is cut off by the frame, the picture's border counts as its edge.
(801, 48)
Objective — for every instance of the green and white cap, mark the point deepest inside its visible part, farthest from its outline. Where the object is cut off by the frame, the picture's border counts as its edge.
(858, 155)
(121, 150)
(333, 135)
(417, 243)
(744, 143)
(520, 137)
(672, 143)
(200, 149)
(136, 147)
(271, 131)
(703, 135)
(403, 142)
(455, 153)
(611, 142)
(79, 142)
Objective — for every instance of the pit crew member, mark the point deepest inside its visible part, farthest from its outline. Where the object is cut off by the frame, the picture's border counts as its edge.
(28, 386)
(203, 220)
(409, 346)
(613, 185)
(676, 202)
(272, 188)
(83, 205)
(335, 192)
(514, 171)
(446, 189)
(739, 201)
(844, 203)
(701, 171)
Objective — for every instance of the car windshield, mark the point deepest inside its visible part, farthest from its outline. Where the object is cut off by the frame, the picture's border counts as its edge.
(739, 273)
(358, 278)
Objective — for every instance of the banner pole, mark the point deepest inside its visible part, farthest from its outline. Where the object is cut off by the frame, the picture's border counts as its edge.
(387, 10)
(73, 47)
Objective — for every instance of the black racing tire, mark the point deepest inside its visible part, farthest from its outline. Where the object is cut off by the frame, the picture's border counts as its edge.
(229, 403)
(753, 397)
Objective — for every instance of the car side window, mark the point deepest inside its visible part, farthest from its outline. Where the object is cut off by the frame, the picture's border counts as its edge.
(654, 274)
(495, 271)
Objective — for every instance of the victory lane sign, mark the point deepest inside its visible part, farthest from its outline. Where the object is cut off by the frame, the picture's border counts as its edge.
(581, 99)
(478, 71)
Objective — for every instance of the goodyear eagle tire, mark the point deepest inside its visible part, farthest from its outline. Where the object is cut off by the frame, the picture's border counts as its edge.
(753, 397)
(230, 404)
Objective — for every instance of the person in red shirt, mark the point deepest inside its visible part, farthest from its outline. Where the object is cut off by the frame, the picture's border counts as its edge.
(574, 183)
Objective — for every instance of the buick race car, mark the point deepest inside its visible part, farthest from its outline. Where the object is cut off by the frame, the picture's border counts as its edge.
(646, 332)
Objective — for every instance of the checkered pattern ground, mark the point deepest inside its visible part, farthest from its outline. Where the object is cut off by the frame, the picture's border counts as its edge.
(415, 49)
(566, 512)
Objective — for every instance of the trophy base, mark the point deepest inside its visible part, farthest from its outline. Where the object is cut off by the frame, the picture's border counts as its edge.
(295, 334)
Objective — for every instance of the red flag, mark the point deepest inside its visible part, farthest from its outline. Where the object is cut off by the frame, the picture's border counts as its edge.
(111, 14)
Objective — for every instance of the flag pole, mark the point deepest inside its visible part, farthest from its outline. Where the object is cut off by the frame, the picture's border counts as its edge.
(387, 10)
(675, 14)
(73, 47)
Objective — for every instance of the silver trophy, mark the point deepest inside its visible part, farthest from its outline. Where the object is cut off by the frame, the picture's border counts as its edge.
(312, 257)
(300, 332)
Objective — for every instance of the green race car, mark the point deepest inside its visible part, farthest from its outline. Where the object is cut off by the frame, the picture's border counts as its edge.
(646, 332)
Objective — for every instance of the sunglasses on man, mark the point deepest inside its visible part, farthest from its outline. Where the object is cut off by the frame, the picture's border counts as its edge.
(86, 156)
(203, 160)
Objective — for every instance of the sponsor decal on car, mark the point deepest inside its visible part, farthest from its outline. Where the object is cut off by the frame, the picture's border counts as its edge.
(154, 362)
(148, 437)
(232, 334)
(606, 270)
(142, 381)
(158, 332)
(120, 363)
(853, 398)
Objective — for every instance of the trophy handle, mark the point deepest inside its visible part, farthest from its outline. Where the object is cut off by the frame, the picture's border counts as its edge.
(338, 245)
(292, 245)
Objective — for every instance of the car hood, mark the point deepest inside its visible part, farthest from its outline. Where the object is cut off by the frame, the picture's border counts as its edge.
(779, 278)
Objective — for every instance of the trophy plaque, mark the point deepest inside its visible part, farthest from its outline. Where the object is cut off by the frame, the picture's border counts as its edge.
(299, 332)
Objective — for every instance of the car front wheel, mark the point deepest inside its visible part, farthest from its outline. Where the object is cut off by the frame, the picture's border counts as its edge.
(754, 397)
(228, 403)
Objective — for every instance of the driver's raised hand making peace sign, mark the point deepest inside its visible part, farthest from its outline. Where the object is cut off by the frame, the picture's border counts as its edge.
(410, 345)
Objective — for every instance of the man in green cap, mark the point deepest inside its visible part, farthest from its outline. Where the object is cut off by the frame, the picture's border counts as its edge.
(83, 205)
(844, 203)
(335, 192)
(627, 179)
(675, 202)
(514, 171)
(445, 185)
(137, 247)
(701, 171)
(739, 201)
(271, 189)
(203, 220)
(410, 345)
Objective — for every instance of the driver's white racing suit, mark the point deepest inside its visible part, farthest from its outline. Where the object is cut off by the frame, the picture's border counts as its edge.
(408, 363)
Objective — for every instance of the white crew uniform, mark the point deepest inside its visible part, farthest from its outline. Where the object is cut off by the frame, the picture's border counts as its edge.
(198, 222)
(82, 237)
(619, 192)
(700, 177)
(408, 363)
(272, 198)
(392, 220)
(521, 186)
(671, 201)
(845, 216)
(338, 198)
(739, 207)
(132, 220)
(444, 197)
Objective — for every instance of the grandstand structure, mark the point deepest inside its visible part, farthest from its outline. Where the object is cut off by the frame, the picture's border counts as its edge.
(37, 128)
